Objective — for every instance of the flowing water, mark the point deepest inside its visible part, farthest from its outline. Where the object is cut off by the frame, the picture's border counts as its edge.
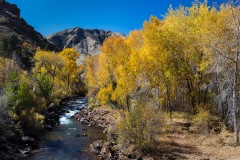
(65, 142)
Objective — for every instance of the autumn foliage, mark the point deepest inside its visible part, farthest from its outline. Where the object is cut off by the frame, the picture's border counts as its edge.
(25, 95)
(184, 62)
(57, 74)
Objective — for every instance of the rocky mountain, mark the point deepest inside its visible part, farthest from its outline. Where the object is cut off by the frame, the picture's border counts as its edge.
(85, 41)
(12, 24)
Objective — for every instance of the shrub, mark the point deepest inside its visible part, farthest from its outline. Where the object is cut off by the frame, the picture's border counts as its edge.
(45, 87)
(35, 120)
(204, 120)
(139, 126)
(24, 103)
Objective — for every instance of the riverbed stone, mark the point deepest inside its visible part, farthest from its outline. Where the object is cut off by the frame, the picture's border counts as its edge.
(28, 140)
(98, 118)
(105, 151)
(25, 152)
(96, 147)
(85, 121)
(81, 119)
(84, 135)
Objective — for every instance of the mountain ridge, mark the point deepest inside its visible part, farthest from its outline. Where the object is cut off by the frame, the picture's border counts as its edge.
(85, 41)
(12, 24)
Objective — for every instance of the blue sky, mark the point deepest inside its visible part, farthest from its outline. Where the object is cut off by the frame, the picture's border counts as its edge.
(50, 16)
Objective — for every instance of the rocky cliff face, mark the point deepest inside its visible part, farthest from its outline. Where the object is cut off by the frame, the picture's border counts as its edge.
(85, 41)
(11, 24)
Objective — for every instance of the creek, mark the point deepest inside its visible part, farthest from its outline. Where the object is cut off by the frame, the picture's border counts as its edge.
(67, 140)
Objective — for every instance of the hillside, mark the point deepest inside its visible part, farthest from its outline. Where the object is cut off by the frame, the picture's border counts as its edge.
(85, 41)
(12, 24)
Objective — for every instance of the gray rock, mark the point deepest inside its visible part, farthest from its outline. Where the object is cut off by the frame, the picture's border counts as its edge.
(82, 119)
(86, 122)
(52, 108)
(25, 152)
(101, 126)
(96, 147)
(84, 135)
(28, 140)
(20, 123)
(105, 154)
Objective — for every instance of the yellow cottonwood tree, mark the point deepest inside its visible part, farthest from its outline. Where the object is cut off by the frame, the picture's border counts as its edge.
(90, 72)
(48, 62)
(189, 61)
(112, 55)
(70, 71)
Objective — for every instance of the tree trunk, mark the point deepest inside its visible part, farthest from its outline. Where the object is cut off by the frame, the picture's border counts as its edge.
(190, 90)
(235, 103)
(168, 101)
(235, 79)
(127, 103)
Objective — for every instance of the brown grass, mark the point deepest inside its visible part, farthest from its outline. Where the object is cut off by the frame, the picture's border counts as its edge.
(179, 144)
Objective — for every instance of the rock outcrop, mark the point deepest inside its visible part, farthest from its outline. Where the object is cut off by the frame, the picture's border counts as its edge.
(85, 41)
(12, 24)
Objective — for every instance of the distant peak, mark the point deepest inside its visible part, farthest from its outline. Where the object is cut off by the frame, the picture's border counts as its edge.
(85, 41)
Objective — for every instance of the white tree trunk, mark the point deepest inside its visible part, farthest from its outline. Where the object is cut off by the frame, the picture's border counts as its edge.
(235, 80)
(235, 103)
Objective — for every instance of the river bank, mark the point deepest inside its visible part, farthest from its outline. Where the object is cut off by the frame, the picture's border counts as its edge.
(18, 144)
(109, 149)
(175, 144)
(91, 134)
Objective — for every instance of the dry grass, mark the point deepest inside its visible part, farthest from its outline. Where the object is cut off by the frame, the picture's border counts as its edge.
(179, 144)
